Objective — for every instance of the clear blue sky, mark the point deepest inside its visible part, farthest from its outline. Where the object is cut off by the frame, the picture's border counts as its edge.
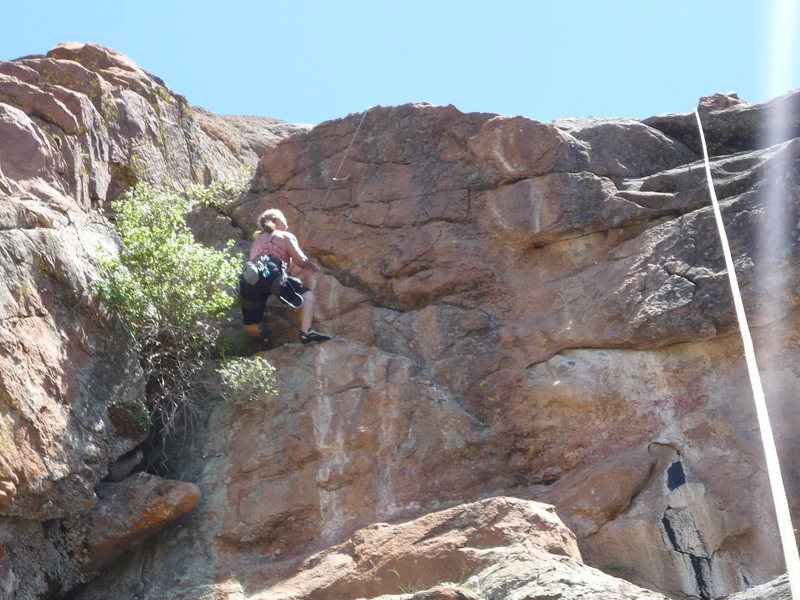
(306, 61)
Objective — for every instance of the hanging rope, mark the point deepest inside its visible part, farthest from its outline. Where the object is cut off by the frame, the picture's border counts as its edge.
(790, 553)
(344, 157)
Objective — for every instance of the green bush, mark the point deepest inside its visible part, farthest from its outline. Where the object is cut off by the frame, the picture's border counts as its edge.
(223, 193)
(248, 380)
(162, 278)
(130, 418)
(172, 293)
(612, 567)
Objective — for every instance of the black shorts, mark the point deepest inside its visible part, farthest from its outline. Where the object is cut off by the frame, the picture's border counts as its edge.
(254, 299)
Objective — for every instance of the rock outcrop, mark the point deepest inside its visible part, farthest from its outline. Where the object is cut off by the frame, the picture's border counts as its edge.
(77, 127)
(777, 589)
(563, 303)
(524, 313)
(84, 123)
(478, 550)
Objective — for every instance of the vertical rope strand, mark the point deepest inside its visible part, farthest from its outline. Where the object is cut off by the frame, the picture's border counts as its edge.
(785, 528)
(344, 157)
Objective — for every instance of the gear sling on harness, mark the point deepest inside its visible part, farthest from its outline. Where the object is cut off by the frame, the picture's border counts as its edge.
(263, 277)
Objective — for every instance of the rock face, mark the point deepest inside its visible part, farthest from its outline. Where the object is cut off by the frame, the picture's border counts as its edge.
(129, 512)
(523, 312)
(77, 127)
(84, 123)
(560, 294)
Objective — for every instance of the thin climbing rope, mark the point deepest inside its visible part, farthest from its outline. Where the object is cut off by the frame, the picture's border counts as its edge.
(344, 157)
(782, 513)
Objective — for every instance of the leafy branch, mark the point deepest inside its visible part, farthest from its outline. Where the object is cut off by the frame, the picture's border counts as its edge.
(172, 293)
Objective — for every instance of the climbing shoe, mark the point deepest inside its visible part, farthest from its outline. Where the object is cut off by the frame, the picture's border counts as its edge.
(264, 339)
(312, 336)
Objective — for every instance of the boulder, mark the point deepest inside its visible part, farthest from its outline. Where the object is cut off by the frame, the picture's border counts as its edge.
(777, 589)
(624, 148)
(125, 514)
(737, 127)
(491, 549)
(444, 546)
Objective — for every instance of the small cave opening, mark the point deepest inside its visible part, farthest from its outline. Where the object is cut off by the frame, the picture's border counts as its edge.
(676, 476)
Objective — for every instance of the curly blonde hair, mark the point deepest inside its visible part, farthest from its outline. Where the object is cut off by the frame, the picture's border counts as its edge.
(269, 218)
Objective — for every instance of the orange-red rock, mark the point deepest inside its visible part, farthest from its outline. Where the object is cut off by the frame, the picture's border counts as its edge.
(520, 309)
(129, 512)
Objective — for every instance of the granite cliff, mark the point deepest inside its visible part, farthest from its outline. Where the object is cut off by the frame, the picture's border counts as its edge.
(536, 387)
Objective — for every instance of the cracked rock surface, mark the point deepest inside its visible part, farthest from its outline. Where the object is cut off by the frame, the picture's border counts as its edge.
(523, 313)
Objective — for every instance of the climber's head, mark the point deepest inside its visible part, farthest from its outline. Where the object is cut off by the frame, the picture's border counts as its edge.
(272, 219)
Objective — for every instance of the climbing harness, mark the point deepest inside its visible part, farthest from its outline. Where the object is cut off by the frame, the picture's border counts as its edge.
(346, 152)
(267, 276)
(782, 513)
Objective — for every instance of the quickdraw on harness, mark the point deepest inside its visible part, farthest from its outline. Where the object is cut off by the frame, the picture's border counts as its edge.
(268, 275)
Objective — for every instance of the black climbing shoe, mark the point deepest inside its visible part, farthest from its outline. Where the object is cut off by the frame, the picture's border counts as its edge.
(313, 336)
(264, 339)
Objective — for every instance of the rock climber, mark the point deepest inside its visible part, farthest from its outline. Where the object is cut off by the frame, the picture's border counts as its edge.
(272, 255)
